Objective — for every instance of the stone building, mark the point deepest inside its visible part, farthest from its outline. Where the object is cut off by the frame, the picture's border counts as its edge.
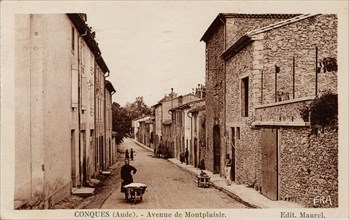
(181, 124)
(111, 150)
(198, 132)
(55, 107)
(162, 118)
(143, 128)
(270, 73)
(224, 31)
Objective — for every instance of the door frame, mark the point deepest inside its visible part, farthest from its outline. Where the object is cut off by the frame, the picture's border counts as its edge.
(216, 148)
(267, 167)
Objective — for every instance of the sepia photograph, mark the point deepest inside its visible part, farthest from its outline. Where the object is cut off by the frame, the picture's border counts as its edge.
(174, 110)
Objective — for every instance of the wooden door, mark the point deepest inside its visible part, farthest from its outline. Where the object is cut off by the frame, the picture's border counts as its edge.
(233, 144)
(269, 144)
(216, 149)
(73, 159)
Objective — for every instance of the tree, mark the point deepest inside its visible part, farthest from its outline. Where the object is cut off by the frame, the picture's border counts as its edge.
(138, 108)
(121, 122)
(123, 116)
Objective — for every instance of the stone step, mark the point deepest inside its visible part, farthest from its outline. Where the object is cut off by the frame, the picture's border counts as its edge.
(106, 172)
(83, 191)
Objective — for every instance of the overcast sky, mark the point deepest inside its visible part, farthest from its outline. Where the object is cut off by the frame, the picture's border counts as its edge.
(153, 46)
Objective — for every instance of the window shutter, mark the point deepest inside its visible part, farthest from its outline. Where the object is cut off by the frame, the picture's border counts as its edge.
(74, 87)
(84, 93)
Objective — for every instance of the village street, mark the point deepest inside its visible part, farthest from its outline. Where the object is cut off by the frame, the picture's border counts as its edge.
(168, 186)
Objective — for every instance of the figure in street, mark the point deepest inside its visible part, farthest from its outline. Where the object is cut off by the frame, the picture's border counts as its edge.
(202, 164)
(228, 163)
(181, 157)
(186, 155)
(160, 148)
(126, 176)
(131, 154)
(127, 155)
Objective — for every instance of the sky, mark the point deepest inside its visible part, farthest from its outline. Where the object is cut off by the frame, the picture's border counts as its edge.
(153, 46)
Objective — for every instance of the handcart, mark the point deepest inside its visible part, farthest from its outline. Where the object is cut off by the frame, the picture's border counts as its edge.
(135, 191)
(203, 180)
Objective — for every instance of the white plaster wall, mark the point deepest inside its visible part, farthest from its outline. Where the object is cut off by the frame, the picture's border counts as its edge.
(22, 111)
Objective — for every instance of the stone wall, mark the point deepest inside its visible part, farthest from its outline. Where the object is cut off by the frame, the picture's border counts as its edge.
(299, 40)
(309, 167)
(214, 87)
(308, 163)
(286, 111)
(237, 27)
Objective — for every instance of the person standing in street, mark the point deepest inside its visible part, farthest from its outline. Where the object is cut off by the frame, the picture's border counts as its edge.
(186, 155)
(131, 154)
(126, 176)
(181, 157)
(228, 163)
(127, 155)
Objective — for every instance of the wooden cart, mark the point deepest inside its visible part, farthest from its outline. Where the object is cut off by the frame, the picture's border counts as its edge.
(135, 191)
(203, 181)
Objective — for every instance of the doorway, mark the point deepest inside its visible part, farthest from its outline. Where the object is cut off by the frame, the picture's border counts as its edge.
(233, 148)
(216, 149)
(269, 144)
(73, 159)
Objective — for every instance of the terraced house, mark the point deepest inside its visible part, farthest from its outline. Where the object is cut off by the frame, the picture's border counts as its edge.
(57, 108)
(262, 72)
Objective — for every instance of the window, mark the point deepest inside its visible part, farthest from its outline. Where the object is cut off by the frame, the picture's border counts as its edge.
(238, 133)
(244, 97)
(83, 55)
(74, 87)
(72, 39)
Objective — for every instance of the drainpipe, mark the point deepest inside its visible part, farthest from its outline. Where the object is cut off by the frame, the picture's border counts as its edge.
(105, 128)
(96, 143)
(224, 89)
(79, 106)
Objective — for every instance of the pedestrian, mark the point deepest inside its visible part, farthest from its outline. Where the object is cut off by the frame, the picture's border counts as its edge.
(131, 154)
(127, 156)
(154, 151)
(228, 164)
(186, 155)
(181, 157)
(202, 164)
(126, 176)
(160, 148)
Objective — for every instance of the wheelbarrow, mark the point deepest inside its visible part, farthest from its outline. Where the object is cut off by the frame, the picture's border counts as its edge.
(135, 191)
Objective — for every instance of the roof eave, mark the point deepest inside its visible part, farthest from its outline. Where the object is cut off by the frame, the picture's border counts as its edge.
(212, 28)
(236, 47)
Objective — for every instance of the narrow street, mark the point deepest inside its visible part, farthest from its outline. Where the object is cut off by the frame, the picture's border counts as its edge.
(168, 186)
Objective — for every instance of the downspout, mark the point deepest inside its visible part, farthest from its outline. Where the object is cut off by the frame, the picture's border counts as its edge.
(224, 88)
(105, 127)
(191, 136)
(83, 179)
(94, 119)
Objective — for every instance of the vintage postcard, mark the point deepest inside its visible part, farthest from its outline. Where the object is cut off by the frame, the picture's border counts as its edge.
(174, 110)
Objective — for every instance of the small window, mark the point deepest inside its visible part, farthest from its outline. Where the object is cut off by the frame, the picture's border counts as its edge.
(72, 39)
(244, 97)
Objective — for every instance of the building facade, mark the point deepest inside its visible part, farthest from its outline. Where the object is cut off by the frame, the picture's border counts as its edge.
(220, 35)
(272, 72)
(55, 107)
